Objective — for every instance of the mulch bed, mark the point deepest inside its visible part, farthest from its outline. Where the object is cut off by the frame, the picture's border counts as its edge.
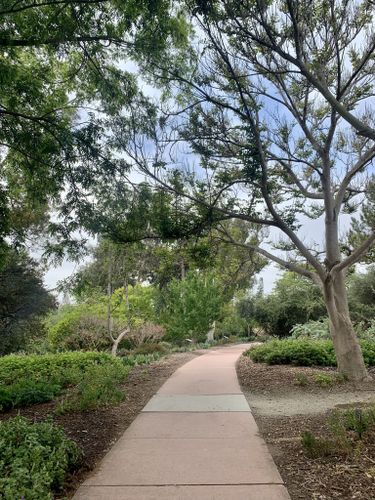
(328, 478)
(96, 431)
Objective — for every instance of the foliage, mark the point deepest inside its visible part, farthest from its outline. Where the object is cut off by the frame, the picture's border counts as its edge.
(84, 326)
(34, 459)
(191, 305)
(295, 352)
(366, 330)
(304, 352)
(318, 330)
(270, 106)
(99, 386)
(132, 263)
(294, 300)
(361, 292)
(30, 379)
(146, 332)
(324, 379)
(348, 429)
(78, 328)
(141, 359)
(59, 62)
(151, 348)
(23, 300)
(26, 393)
(302, 379)
(235, 320)
(317, 447)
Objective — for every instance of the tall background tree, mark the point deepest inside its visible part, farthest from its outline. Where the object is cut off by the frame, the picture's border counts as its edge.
(24, 300)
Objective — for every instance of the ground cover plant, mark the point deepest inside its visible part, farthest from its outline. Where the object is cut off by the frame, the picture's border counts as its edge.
(32, 379)
(305, 352)
(34, 459)
(347, 432)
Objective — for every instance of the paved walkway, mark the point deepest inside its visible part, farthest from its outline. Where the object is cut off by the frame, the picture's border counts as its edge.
(195, 439)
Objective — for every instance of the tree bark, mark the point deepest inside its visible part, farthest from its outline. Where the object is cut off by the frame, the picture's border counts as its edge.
(109, 297)
(117, 341)
(348, 352)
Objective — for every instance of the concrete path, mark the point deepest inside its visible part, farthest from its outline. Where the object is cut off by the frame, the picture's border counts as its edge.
(195, 439)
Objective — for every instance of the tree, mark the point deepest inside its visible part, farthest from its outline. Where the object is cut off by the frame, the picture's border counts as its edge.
(293, 300)
(62, 70)
(361, 291)
(191, 305)
(23, 299)
(84, 325)
(276, 108)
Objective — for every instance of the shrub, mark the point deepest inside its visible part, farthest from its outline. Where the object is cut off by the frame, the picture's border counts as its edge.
(302, 380)
(317, 447)
(294, 352)
(347, 427)
(27, 393)
(366, 330)
(304, 352)
(84, 326)
(99, 386)
(358, 420)
(34, 459)
(51, 367)
(294, 300)
(140, 359)
(151, 348)
(40, 378)
(146, 332)
(233, 325)
(324, 379)
(72, 328)
(318, 330)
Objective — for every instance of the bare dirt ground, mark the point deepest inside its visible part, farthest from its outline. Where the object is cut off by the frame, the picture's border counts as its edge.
(284, 409)
(97, 430)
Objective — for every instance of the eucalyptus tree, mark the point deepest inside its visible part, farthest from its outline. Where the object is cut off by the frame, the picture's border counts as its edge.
(274, 101)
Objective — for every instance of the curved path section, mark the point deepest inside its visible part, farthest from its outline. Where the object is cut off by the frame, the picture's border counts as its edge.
(195, 439)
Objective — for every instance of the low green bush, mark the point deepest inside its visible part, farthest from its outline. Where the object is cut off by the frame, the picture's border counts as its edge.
(27, 393)
(140, 359)
(295, 352)
(99, 386)
(34, 459)
(59, 368)
(31, 379)
(304, 352)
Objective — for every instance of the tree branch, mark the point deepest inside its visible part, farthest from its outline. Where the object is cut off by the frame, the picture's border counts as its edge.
(356, 255)
(361, 163)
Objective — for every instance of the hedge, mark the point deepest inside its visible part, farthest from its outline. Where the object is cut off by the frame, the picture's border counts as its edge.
(304, 352)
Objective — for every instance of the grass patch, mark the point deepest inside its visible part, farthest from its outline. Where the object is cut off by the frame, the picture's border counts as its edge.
(34, 459)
